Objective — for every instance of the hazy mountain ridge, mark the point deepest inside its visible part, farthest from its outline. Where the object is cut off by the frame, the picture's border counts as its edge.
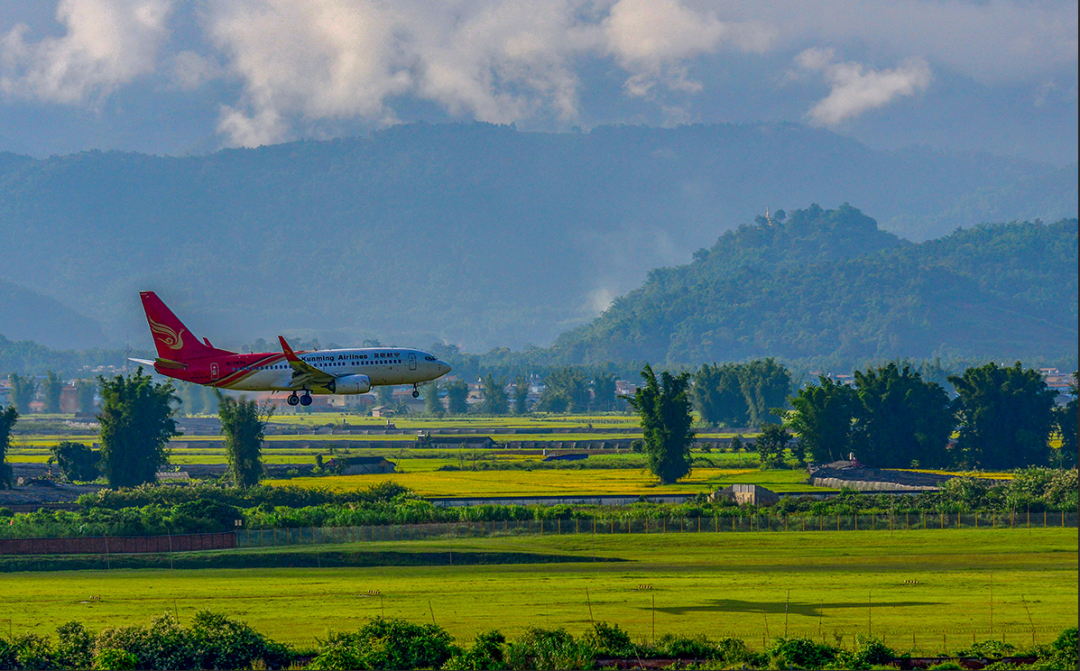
(822, 285)
(475, 233)
(26, 314)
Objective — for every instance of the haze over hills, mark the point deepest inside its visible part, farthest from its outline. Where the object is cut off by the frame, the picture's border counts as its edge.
(829, 286)
(476, 234)
(27, 315)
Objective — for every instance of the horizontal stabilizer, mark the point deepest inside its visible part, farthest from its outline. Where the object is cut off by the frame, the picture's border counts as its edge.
(163, 363)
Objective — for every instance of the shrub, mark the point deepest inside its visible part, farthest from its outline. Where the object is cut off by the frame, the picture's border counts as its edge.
(119, 660)
(162, 645)
(609, 640)
(991, 649)
(802, 653)
(486, 653)
(74, 646)
(697, 647)
(223, 643)
(548, 649)
(386, 644)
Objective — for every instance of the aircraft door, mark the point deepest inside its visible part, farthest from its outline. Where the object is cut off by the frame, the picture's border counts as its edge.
(214, 372)
(412, 361)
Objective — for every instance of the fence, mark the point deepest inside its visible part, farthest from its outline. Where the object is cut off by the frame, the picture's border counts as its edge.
(117, 544)
(484, 529)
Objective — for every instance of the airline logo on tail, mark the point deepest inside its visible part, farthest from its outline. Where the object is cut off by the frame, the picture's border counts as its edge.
(168, 336)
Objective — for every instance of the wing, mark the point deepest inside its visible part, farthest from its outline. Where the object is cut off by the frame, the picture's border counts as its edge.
(304, 374)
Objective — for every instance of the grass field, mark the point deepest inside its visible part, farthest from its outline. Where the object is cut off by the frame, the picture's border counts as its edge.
(715, 584)
(564, 482)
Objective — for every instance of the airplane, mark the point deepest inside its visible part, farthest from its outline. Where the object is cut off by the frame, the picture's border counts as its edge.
(333, 371)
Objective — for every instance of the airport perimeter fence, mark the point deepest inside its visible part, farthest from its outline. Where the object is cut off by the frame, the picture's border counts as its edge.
(248, 538)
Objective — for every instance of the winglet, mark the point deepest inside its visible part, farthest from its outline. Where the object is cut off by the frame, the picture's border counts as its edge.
(290, 355)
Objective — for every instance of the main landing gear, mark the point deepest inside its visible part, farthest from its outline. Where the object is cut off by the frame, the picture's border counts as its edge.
(304, 400)
(415, 392)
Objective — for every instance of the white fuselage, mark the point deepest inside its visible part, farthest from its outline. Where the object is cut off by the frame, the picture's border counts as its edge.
(382, 365)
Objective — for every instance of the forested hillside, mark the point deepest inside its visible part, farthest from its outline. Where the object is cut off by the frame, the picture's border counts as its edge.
(474, 234)
(829, 286)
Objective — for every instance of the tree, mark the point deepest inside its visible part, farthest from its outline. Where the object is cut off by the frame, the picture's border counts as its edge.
(432, 403)
(566, 390)
(765, 384)
(22, 391)
(8, 417)
(457, 397)
(243, 423)
(84, 395)
(136, 425)
(51, 388)
(1006, 416)
(666, 420)
(718, 395)
(822, 416)
(901, 419)
(77, 462)
(1067, 417)
(604, 391)
(521, 396)
(495, 401)
(771, 445)
(384, 394)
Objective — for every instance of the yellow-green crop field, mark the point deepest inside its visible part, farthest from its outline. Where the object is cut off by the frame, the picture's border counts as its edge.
(933, 587)
(562, 482)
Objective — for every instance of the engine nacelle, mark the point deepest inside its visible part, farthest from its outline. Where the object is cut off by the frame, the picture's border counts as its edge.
(351, 384)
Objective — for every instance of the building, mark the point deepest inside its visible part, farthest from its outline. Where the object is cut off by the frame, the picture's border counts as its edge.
(361, 465)
(754, 495)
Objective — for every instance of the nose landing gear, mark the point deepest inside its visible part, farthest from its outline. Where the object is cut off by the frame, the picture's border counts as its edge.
(415, 392)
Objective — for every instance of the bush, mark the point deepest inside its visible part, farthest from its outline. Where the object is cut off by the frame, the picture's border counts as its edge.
(609, 640)
(162, 645)
(697, 647)
(991, 649)
(74, 646)
(119, 660)
(77, 462)
(223, 643)
(548, 649)
(802, 653)
(386, 644)
(486, 653)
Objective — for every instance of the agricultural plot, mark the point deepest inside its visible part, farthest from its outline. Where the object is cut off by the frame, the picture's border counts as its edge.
(563, 482)
(936, 588)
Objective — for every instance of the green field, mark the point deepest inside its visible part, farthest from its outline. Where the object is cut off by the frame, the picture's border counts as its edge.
(715, 584)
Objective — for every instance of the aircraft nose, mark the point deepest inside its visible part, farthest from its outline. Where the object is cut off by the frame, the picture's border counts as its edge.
(444, 367)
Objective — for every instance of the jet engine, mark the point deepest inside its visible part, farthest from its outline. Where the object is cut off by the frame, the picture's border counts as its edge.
(350, 384)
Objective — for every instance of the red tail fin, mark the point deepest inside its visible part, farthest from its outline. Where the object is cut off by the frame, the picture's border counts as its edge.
(173, 340)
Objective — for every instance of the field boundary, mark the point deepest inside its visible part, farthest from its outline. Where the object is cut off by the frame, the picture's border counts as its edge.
(557, 527)
(255, 538)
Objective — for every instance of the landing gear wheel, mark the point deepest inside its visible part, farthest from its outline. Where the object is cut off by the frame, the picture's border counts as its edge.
(415, 392)
(293, 399)
(305, 400)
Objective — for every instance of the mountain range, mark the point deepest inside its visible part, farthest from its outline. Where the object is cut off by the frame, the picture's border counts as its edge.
(472, 234)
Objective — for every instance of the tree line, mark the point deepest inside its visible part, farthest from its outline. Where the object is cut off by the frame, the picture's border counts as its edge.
(137, 421)
(1004, 417)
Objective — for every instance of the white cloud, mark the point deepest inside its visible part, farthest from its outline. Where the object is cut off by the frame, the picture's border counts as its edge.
(652, 39)
(107, 43)
(856, 89)
(302, 65)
